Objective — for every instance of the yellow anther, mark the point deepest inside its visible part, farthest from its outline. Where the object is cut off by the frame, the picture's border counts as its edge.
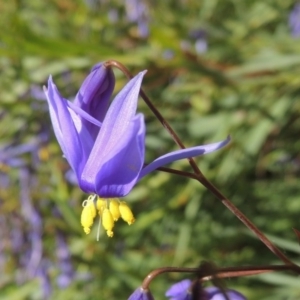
(109, 233)
(87, 216)
(87, 230)
(126, 213)
(114, 208)
(109, 211)
(108, 222)
(100, 204)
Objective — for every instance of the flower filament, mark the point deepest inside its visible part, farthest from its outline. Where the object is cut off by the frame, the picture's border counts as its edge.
(109, 210)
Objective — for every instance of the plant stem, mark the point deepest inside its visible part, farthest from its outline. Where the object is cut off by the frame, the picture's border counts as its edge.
(208, 274)
(201, 178)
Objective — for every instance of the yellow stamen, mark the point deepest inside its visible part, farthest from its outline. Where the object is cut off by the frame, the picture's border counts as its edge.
(114, 208)
(101, 204)
(88, 214)
(126, 213)
(109, 211)
(108, 222)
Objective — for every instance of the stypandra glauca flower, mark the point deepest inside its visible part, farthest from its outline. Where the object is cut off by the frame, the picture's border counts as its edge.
(105, 144)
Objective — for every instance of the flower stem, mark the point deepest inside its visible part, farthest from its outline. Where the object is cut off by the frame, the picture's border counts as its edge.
(205, 274)
(200, 177)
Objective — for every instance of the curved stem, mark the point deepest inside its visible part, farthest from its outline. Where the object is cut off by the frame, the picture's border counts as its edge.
(201, 178)
(208, 274)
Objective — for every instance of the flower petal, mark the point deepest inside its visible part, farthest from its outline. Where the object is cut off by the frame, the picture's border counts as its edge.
(141, 294)
(214, 293)
(120, 114)
(64, 128)
(111, 169)
(181, 154)
(120, 168)
(85, 138)
(94, 95)
(83, 115)
(179, 288)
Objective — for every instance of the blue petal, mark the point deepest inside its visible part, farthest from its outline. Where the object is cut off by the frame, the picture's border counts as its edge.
(141, 294)
(67, 128)
(118, 154)
(214, 293)
(179, 288)
(63, 125)
(181, 154)
(94, 95)
(119, 174)
(120, 114)
(84, 115)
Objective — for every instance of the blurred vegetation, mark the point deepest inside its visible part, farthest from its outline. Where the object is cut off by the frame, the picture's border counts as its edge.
(214, 68)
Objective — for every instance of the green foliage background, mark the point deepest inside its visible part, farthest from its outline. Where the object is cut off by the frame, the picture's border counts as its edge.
(246, 84)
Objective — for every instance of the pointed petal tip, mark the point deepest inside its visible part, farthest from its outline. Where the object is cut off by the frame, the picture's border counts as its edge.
(140, 74)
(137, 79)
(228, 140)
(183, 154)
(216, 146)
(143, 73)
(50, 81)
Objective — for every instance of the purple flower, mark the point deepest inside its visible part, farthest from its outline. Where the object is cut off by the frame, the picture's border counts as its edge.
(106, 162)
(200, 37)
(294, 21)
(105, 146)
(137, 11)
(215, 293)
(182, 290)
(141, 294)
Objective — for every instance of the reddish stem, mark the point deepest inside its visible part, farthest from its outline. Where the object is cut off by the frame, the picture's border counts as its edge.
(201, 178)
(208, 274)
